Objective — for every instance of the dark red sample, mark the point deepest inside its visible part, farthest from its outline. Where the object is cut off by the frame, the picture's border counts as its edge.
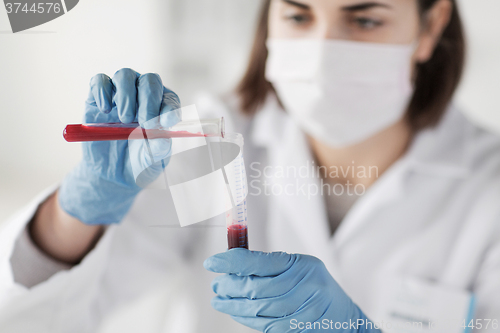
(237, 236)
(111, 132)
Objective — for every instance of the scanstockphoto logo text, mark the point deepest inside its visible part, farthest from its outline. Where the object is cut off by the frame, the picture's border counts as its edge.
(27, 14)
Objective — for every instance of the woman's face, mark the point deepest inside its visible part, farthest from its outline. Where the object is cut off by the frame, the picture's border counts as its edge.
(375, 21)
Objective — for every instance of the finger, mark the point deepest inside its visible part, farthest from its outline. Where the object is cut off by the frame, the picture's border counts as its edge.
(254, 287)
(275, 307)
(149, 99)
(126, 94)
(102, 89)
(170, 113)
(243, 262)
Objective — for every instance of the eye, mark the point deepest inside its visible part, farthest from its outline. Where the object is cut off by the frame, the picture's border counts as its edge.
(298, 19)
(366, 23)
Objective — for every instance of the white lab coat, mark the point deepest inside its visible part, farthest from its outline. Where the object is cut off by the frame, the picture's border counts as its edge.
(434, 216)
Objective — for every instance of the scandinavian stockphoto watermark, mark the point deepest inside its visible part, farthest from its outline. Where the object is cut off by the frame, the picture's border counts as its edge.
(309, 179)
(27, 14)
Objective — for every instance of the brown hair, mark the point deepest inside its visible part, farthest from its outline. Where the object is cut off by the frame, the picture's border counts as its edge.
(435, 82)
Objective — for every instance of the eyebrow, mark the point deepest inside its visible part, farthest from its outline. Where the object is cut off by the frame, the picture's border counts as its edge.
(364, 6)
(297, 4)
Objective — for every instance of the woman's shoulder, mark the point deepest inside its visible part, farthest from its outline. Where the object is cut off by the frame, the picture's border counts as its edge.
(481, 156)
(459, 144)
(482, 146)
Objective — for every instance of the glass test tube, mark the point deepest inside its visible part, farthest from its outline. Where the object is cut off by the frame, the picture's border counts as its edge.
(121, 131)
(236, 218)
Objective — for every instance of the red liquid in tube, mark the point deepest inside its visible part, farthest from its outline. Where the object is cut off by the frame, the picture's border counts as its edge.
(237, 236)
(82, 133)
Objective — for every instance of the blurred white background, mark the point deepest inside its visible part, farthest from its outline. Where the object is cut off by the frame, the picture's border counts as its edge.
(193, 44)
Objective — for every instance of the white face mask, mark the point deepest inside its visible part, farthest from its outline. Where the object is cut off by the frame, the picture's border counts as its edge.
(341, 92)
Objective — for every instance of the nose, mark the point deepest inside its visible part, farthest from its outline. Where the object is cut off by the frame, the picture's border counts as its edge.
(328, 27)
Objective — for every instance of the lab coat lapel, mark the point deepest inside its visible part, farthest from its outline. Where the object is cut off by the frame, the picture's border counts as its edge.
(295, 207)
(303, 207)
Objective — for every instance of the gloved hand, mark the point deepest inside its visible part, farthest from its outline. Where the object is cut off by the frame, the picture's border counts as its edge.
(280, 292)
(102, 188)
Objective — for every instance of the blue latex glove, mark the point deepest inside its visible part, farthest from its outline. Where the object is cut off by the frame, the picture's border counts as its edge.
(281, 292)
(102, 188)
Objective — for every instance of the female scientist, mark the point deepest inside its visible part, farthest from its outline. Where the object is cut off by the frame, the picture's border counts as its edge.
(412, 235)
